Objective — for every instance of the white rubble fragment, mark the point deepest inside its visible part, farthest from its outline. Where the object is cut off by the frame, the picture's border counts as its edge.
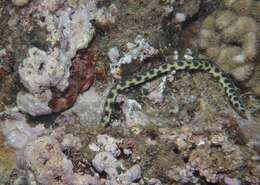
(143, 49)
(133, 114)
(105, 16)
(231, 181)
(154, 181)
(127, 151)
(86, 180)
(182, 174)
(137, 51)
(127, 178)
(109, 144)
(87, 107)
(41, 70)
(3, 52)
(17, 139)
(45, 160)
(77, 31)
(134, 173)
(157, 96)
(133, 105)
(106, 162)
(17, 132)
(69, 141)
(180, 17)
(33, 104)
(113, 54)
(94, 147)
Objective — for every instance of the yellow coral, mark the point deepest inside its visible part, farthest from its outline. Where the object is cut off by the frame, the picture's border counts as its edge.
(208, 38)
(242, 26)
(209, 22)
(229, 55)
(255, 11)
(242, 7)
(231, 40)
(249, 44)
(245, 7)
(224, 19)
(243, 72)
(256, 90)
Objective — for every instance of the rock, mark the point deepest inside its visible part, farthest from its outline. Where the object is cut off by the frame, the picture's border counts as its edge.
(154, 181)
(32, 104)
(113, 54)
(17, 131)
(42, 70)
(70, 142)
(134, 173)
(231, 181)
(88, 107)
(76, 29)
(137, 51)
(109, 144)
(105, 162)
(45, 160)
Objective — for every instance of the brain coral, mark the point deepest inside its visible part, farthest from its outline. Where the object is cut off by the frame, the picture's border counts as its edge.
(231, 40)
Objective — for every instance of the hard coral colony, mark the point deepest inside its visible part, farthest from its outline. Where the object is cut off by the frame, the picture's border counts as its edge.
(231, 37)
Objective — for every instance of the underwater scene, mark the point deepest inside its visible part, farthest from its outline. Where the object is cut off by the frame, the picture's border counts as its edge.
(129, 92)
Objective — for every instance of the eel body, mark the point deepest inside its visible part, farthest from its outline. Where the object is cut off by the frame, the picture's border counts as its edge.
(187, 63)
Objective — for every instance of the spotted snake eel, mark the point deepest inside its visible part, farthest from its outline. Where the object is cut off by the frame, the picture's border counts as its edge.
(187, 63)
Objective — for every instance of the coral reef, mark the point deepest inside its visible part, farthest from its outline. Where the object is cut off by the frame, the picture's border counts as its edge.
(69, 30)
(231, 40)
(179, 131)
(45, 161)
(41, 152)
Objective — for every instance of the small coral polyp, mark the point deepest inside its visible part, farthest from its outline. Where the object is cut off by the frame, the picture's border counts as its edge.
(231, 40)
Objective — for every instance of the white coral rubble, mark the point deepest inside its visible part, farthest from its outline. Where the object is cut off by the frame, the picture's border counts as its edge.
(139, 50)
(106, 161)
